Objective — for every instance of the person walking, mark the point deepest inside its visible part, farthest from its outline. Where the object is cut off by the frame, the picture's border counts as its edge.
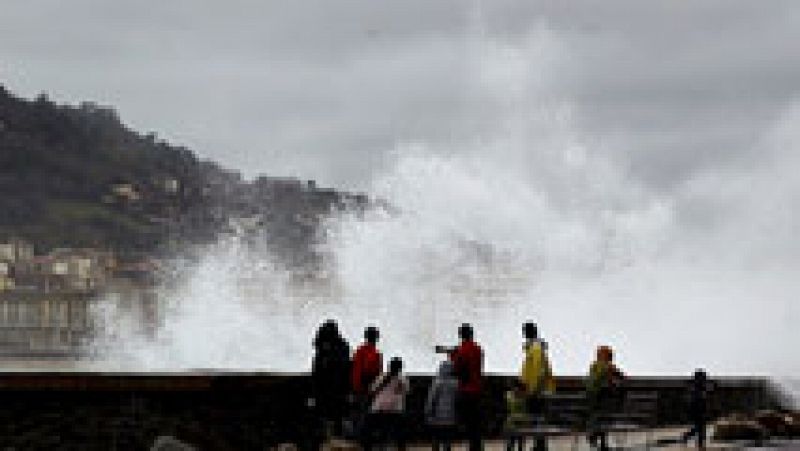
(602, 387)
(700, 389)
(467, 361)
(330, 376)
(537, 377)
(386, 418)
(440, 407)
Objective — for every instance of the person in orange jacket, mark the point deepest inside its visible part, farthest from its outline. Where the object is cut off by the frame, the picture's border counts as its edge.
(602, 388)
(367, 362)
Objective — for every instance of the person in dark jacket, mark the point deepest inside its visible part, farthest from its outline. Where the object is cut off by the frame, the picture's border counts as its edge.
(367, 362)
(700, 390)
(330, 375)
(467, 361)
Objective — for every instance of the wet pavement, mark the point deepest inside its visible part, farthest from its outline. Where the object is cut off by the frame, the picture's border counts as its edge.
(640, 440)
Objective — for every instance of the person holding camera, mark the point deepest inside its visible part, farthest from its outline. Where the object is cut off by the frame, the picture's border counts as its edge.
(467, 361)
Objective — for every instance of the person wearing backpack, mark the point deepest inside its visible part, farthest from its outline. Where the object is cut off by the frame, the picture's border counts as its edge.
(440, 407)
(387, 404)
(602, 388)
(537, 377)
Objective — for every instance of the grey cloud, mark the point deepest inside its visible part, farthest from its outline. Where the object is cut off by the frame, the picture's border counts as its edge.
(325, 90)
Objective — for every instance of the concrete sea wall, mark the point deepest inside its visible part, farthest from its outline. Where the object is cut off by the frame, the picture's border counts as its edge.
(247, 410)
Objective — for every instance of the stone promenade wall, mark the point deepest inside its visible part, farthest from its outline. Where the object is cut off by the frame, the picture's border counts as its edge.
(227, 410)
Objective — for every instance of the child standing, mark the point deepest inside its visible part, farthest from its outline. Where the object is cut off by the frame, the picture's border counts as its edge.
(440, 407)
(386, 418)
(516, 415)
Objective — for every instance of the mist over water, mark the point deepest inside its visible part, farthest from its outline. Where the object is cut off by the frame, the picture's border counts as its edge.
(524, 219)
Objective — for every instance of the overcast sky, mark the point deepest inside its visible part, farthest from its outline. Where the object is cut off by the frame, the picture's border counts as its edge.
(327, 89)
(696, 104)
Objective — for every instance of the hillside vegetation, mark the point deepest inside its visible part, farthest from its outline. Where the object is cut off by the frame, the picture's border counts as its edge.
(77, 176)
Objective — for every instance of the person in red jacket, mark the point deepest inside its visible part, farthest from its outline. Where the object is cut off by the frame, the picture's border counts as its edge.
(467, 361)
(367, 362)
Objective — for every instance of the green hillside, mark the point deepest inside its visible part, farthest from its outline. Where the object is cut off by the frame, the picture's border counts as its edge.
(60, 163)
(76, 176)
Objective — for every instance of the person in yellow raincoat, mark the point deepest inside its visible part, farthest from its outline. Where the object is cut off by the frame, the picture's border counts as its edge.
(537, 376)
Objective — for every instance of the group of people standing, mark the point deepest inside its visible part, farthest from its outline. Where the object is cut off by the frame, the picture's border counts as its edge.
(374, 400)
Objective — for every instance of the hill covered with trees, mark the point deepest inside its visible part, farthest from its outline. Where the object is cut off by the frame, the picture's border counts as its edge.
(76, 176)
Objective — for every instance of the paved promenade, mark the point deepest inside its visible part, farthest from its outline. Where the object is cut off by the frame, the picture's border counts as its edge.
(618, 441)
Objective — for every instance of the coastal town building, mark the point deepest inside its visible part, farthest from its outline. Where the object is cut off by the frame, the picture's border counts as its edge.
(16, 250)
(168, 185)
(47, 302)
(35, 324)
(126, 191)
(6, 278)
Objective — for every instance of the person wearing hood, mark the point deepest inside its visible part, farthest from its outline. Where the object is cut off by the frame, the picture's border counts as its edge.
(602, 386)
(440, 407)
(537, 376)
(330, 375)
